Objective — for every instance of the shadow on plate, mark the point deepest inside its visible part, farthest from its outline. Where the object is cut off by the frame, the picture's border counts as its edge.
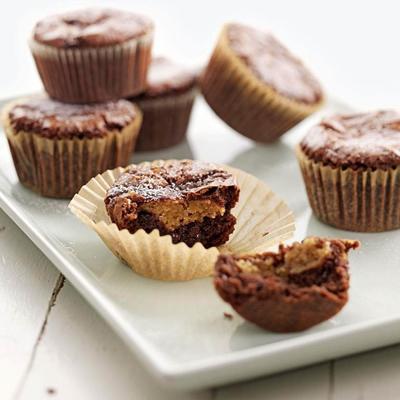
(180, 151)
(316, 227)
(248, 335)
(36, 203)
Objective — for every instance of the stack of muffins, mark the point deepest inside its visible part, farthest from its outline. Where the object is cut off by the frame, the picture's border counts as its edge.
(104, 94)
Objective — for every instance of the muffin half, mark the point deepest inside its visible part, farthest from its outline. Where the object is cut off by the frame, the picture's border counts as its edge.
(58, 147)
(350, 165)
(93, 55)
(256, 85)
(189, 200)
(166, 105)
(291, 290)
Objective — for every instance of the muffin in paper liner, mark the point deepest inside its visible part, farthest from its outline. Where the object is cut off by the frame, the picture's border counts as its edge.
(243, 101)
(363, 200)
(94, 74)
(59, 167)
(263, 220)
(165, 120)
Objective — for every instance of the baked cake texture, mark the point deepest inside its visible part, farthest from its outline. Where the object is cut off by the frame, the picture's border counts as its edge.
(166, 104)
(58, 147)
(189, 200)
(351, 169)
(290, 290)
(256, 85)
(93, 55)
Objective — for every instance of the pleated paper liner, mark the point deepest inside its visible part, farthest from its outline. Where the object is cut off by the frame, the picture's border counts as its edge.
(59, 167)
(96, 74)
(245, 103)
(354, 200)
(165, 120)
(263, 220)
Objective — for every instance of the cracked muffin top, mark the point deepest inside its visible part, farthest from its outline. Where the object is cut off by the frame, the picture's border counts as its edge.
(91, 27)
(273, 64)
(171, 179)
(365, 140)
(52, 119)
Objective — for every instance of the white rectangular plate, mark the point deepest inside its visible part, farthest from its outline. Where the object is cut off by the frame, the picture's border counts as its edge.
(178, 329)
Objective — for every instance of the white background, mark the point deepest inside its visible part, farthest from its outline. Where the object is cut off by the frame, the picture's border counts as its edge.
(350, 45)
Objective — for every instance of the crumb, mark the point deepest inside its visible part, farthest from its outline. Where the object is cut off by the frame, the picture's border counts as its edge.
(51, 391)
(2, 228)
(228, 316)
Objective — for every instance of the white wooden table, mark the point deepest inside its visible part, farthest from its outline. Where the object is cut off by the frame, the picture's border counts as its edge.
(52, 343)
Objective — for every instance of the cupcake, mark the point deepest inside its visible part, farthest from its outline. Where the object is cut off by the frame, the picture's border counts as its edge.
(350, 165)
(58, 147)
(92, 55)
(166, 105)
(189, 200)
(291, 290)
(170, 219)
(256, 85)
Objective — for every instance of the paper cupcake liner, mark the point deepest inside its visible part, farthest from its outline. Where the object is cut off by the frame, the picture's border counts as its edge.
(96, 74)
(165, 120)
(245, 103)
(262, 221)
(59, 167)
(361, 201)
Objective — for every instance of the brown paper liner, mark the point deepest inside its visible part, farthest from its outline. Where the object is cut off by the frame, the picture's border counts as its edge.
(59, 167)
(165, 120)
(96, 74)
(262, 221)
(245, 103)
(354, 200)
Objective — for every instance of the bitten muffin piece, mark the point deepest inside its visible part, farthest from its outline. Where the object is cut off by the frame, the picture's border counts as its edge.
(351, 170)
(256, 85)
(93, 55)
(166, 104)
(58, 147)
(189, 200)
(291, 290)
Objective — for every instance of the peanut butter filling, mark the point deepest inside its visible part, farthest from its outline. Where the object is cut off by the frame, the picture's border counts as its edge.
(248, 266)
(305, 256)
(174, 213)
(309, 254)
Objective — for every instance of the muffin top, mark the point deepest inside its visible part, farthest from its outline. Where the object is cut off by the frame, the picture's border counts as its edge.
(55, 120)
(92, 27)
(166, 77)
(367, 140)
(169, 180)
(273, 64)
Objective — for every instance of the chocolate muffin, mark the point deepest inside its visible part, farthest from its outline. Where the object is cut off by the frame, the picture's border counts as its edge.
(166, 104)
(93, 55)
(58, 147)
(350, 166)
(291, 290)
(189, 200)
(256, 85)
